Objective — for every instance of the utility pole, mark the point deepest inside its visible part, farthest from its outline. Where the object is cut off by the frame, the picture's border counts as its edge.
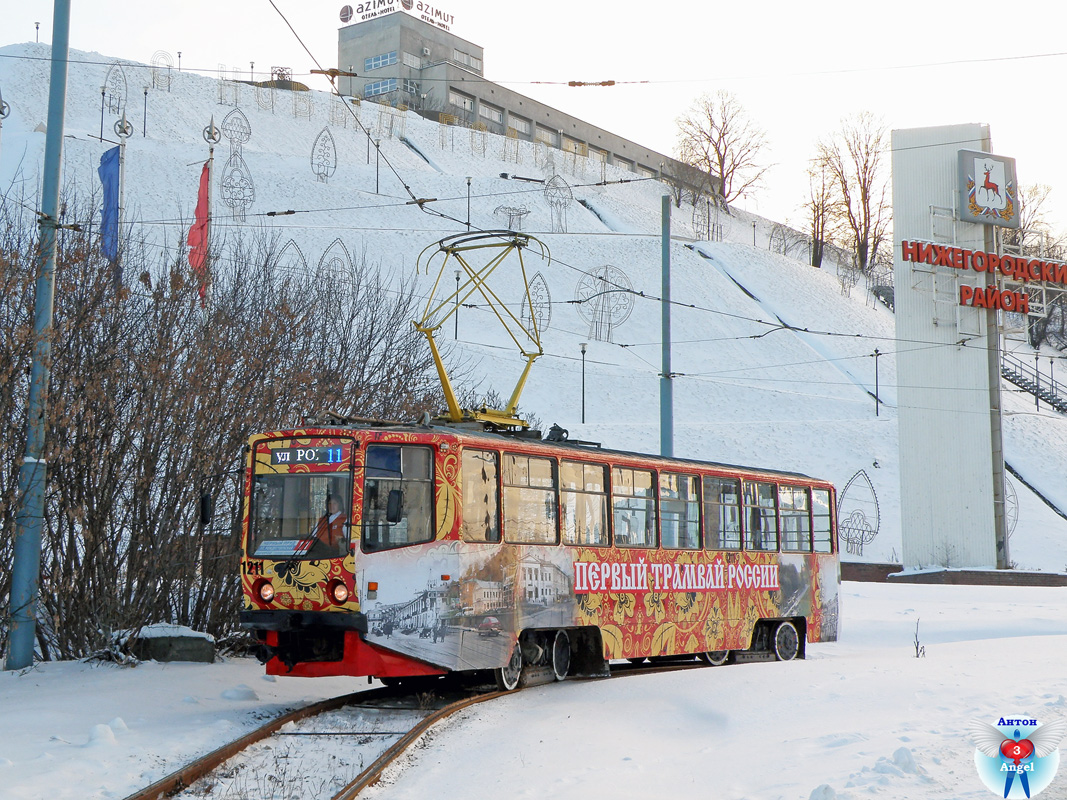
(26, 567)
(666, 388)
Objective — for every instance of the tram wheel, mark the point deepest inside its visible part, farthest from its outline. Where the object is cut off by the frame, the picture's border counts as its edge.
(561, 655)
(509, 676)
(786, 642)
(715, 658)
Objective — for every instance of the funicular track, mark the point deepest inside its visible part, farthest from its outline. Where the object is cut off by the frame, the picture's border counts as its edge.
(185, 777)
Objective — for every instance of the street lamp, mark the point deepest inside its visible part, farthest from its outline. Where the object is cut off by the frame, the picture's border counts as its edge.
(583, 345)
(468, 203)
(144, 130)
(377, 154)
(456, 333)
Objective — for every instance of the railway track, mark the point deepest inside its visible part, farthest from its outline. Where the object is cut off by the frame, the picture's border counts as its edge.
(404, 716)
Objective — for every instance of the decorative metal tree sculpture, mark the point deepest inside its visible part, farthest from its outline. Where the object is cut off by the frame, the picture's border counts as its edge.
(857, 513)
(604, 298)
(537, 313)
(324, 156)
(558, 194)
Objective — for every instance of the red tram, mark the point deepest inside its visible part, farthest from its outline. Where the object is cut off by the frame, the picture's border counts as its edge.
(395, 550)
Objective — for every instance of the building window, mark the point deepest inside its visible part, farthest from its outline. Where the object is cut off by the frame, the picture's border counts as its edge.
(379, 87)
(519, 124)
(490, 113)
(549, 137)
(412, 61)
(376, 62)
(460, 100)
(476, 64)
(411, 87)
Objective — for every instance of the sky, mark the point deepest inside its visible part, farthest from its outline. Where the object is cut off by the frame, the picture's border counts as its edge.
(797, 68)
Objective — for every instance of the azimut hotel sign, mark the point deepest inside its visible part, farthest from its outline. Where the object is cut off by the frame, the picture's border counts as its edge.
(988, 189)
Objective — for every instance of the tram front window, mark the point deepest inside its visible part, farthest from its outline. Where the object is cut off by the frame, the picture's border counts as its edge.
(301, 515)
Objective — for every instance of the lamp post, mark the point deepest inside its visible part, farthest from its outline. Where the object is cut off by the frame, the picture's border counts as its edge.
(877, 402)
(468, 203)
(1037, 382)
(377, 155)
(144, 131)
(37, 35)
(103, 91)
(583, 345)
(456, 332)
(179, 61)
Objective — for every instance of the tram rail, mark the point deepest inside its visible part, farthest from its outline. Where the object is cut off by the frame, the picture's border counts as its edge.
(188, 775)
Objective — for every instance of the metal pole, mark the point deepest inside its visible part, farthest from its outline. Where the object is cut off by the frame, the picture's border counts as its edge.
(26, 568)
(1037, 382)
(753, 233)
(583, 345)
(456, 332)
(666, 389)
(468, 203)
(102, 90)
(144, 131)
(877, 402)
(377, 158)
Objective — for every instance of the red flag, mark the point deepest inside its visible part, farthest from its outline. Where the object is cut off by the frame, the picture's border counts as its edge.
(198, 234)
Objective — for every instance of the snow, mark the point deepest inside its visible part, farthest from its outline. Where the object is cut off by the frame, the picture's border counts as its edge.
(857, 718)
(861, 717)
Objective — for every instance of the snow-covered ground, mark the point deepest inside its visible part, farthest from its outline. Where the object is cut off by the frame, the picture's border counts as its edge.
(862, 716)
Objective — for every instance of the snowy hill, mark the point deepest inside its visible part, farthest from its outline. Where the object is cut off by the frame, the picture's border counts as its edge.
(775, 364)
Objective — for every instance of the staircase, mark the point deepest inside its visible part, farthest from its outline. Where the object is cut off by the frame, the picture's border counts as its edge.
(1027, 378)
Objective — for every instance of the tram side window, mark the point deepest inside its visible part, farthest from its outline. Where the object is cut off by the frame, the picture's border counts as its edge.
(796, 524)
(530, 504)
(821, 523)
(761, 516)
(633, 507)
(481, 498)
(679, 512)
(397, 496)
(722, 513)
(583, 495)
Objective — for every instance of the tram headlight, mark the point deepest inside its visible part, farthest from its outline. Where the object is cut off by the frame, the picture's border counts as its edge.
(264, 590)
(339, 593)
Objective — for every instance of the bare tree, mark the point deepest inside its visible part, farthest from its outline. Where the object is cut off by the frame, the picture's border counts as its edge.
(855, 161)
(717, 137)
(818, 212)
(1034, 237)
(152, 400)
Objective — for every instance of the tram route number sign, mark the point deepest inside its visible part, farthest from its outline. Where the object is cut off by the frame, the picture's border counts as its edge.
(307, 455)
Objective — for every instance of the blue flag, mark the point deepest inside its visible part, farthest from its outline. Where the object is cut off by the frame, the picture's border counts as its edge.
(109, 214)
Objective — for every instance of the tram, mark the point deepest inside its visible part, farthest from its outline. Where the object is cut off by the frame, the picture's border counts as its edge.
(395, 550)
